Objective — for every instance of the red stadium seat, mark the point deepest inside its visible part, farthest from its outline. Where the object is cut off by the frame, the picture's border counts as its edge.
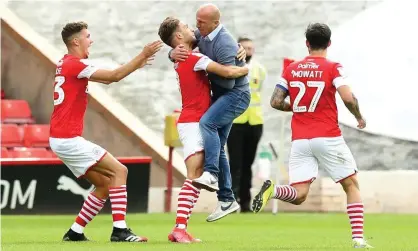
(4, 153)
(3, 95)
(23, 152)
(36, 135)
(16, 112)
(52, 154)
(10, 135)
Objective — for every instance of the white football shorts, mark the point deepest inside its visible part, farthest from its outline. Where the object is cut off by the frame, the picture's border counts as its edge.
(77, 153)
(332, 154)
(191, 138)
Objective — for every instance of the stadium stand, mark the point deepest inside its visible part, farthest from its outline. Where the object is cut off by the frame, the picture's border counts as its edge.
(16, 112)
(20, 137)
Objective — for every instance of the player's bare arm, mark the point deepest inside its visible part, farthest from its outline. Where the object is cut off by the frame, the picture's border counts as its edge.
(144, 58)
(278, 101)
(102, 82)
(229, 71)
(180, 54)
(352, 104)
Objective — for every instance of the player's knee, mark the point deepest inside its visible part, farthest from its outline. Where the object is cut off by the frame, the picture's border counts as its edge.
(350, 184)
(121, 171)
(206, 123)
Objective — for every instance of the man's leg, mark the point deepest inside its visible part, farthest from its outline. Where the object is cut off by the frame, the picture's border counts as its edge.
(91, 206)
(303, 169)
(188, 196)
(354, 206)
(117, 174)
(192, 141)
(225, 192)
(88, 160)
(338, 161)
(222, 112)
(227, 203)
(241, 101)
(253, 135)
(236, 145)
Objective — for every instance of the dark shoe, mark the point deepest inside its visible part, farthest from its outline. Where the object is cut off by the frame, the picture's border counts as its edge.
(125, 235)
(74, 236)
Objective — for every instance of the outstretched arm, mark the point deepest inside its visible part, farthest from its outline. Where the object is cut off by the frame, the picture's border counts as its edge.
(144, 58)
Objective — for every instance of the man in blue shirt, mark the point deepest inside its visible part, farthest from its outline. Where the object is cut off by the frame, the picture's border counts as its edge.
(230, 98)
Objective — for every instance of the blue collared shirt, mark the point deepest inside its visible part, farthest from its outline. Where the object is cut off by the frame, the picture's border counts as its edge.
(214, 33)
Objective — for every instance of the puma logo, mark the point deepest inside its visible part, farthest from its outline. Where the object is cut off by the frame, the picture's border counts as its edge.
(67, 184)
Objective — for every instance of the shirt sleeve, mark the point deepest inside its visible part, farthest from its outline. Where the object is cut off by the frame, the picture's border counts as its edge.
(85, 68)
(283, 82)
(202, 63)
(339, 76)
(225, 53)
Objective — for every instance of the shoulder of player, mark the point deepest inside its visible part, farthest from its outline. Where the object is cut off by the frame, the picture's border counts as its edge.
(294, 65)
(190, 61)
(332, 63)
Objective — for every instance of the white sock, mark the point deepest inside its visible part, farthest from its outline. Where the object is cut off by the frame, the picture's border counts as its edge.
(77, 228)
(120, 224)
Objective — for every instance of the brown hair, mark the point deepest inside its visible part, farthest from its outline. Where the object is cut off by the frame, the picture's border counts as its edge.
(167, 29)
(70, 29)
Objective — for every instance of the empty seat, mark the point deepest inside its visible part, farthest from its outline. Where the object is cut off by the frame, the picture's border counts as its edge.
(3, 95)
(36, 135)
(10, 135)
(4, 152)
(24, 152)
(16, 111)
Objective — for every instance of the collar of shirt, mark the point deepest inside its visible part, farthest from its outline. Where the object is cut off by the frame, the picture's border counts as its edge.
(215, 32)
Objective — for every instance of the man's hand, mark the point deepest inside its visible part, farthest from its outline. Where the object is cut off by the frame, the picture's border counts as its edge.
(241, 54)
(148, 61)
(361, 123)
(151, 48)
(179, 53)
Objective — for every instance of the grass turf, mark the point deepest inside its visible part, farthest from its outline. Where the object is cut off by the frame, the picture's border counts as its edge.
(285, 231)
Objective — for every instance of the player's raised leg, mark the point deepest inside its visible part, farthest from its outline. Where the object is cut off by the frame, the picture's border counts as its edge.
(91, 206)
(303, 169)
(117, 174)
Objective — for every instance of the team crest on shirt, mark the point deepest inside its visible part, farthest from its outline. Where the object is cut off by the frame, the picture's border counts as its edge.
(96, 151)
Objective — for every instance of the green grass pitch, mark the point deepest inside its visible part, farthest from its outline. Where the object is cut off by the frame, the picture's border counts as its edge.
(285, 231)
